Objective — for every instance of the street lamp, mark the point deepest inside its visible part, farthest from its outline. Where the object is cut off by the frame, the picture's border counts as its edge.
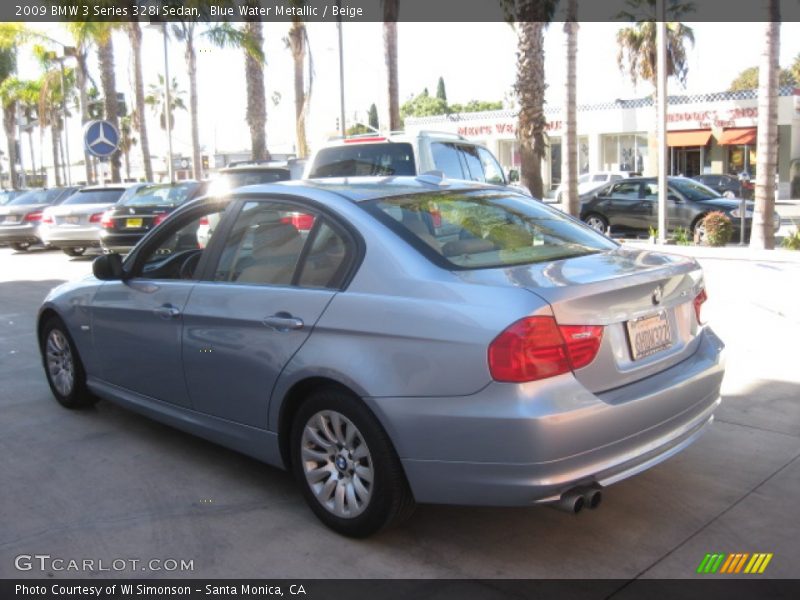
(163, 27)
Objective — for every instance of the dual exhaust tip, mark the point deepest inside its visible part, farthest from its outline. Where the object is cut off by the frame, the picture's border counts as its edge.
(575, 500)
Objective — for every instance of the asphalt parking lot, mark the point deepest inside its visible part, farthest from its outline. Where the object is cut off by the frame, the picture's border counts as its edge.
(108, 484)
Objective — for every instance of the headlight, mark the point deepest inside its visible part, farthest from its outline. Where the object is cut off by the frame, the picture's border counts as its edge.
(736, 213)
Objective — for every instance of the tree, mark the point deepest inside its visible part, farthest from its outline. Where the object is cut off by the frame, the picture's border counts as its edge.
(423, 105)
(441, 93)
(763, 234)
(8, 98)
(795, 69)
(127, 141)
(139, 122)
(570, 201)
(373, 116)
(105, 58)
(156, 99)
(748, 79)
(297, 42)
(390, 14)
(256, 100)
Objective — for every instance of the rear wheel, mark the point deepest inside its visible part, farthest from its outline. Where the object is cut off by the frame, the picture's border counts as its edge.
(596, 222)
(728, 194)
(345, 463)
(63, 366)
(21, 246)
(73, 251)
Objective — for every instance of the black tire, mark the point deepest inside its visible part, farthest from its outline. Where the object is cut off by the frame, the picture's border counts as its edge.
(55, 340)
(73, 251)
(21, 246)
(594, 218)
(390, 500)
(699, 230)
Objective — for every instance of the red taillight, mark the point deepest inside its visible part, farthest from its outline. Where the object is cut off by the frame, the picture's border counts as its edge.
(698, 305)
(359, 140)
(203, 221)
(96, 218)
(34, 216)
(160, 218)
(537, 347)
(436, 217)
(48, 219)
(300, 221)
(106, 222)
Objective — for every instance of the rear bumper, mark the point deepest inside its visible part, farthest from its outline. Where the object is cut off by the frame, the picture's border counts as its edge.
(25, 232)
(513, 445)
(72, 237)
(119, 241)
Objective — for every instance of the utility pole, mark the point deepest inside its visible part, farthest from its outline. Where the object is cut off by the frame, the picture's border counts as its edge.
(661, 101)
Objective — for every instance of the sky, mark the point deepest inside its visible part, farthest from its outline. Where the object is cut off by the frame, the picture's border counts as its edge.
(476, 60)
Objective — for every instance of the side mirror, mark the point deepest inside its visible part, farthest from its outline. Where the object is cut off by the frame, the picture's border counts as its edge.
(108, 267)
(513, 176)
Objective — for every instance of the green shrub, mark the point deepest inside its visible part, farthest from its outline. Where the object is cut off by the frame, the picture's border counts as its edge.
(683, 237)
(719, 228)
(792, 241)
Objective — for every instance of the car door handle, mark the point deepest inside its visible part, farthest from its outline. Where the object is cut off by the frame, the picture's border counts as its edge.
(283, 321)
(166, 311)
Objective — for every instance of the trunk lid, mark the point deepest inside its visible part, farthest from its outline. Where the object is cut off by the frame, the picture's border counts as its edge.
(614, 289)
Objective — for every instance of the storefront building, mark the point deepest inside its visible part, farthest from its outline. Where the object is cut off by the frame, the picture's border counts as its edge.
(706, 133)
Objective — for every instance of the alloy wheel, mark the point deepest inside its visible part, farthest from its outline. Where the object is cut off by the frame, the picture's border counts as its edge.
(60, 365)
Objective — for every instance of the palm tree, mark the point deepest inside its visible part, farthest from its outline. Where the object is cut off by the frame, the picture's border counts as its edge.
(8, 98)
(297, 42)
(127, 141)
(140, 123)
(156, 99)
(763, 234)
(570, 200)
(256, 101)
(390, 14)
(28, 93)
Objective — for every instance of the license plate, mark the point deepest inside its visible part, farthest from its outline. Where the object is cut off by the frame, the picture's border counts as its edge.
(72, 220)
(649, 335)
(133, 223)
(11, 219)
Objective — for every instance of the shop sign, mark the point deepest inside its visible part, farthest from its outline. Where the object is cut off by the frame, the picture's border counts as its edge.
(706, 119)
(506, 129)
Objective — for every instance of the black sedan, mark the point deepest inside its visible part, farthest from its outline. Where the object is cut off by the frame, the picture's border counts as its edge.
(133, 216)
(727, 185)
(632, 206)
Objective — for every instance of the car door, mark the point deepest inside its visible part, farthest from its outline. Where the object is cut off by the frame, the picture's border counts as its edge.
(280, 266)
(137, 323)
(624, 207)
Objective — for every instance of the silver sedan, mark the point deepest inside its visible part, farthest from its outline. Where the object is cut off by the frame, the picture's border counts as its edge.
(397, 340)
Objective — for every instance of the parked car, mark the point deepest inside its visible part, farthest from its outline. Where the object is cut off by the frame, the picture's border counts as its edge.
(7, 196)
(631, 205)
(252, 173)
(74, 225)
(21, 218)
(524, 359)
(405, 154)
(589, 182)
(727, 185)
(132, 217)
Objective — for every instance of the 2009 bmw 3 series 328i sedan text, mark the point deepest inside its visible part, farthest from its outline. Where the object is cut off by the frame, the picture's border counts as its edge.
(397, 340)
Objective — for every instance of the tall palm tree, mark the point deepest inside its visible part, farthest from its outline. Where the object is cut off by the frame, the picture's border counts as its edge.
(127, 141)
(390, 14)
(105, 58)
(8, 98)
(570, 201)
(763, 234)
(297, 42)
(156, 99)
(140, 123)
(256, 101)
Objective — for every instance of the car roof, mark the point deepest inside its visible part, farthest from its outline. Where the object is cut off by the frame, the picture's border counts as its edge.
(361, 189)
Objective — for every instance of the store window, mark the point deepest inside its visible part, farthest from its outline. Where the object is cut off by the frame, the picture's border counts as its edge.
(742, 159)
(624, 152)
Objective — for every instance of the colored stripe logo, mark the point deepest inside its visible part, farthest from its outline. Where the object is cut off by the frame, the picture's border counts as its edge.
(731, 564)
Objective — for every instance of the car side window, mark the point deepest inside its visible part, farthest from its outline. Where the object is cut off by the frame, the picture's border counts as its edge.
(651, 191)
(626, 189)
(328, 258)
(446, 159)
(265, 244)
(492, 169)
(180, 249)
(474, 165)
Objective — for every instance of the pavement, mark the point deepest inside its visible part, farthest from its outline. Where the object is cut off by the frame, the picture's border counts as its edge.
(108, 484)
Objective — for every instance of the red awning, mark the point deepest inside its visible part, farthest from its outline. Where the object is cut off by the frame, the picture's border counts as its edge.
(738, 136)
(688, 138)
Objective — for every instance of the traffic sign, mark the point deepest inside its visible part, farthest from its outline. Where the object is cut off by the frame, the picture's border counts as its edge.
(100, 138)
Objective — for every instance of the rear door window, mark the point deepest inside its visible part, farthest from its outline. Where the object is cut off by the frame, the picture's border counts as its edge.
(627, 189)
(365, 159)
(491, 168)
(446, 158)
(474, 165)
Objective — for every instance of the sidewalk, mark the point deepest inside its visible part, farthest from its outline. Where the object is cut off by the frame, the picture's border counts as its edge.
(729, 252)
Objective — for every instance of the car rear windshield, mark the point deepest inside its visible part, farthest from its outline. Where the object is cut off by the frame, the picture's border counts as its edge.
(235, 179)
(161, 195)
(485, 229)
(108, 196)
(693, 190)
(37, 197)
(364, 159)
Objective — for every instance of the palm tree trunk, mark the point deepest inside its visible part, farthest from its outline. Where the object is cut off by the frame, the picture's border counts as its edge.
(570, 200)
(54, 148)
(10, 127)
(530, 88)
(297, 42)
(83, 98)
(256, 101)
(390, 13)
(191, 66)
(105, 56)
(763, 234)
(135, 37)
(30, 147)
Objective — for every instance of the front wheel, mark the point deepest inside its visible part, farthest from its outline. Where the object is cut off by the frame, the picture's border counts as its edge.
(728, 194)
(596, 222)
(699, 230)
(63, 366)
(21, 246)
(346, 465)
(73, 251)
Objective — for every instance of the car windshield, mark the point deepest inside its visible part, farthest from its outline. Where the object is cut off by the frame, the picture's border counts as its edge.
(693, 190)
(37, 197)
(364, 159)
(106, 196)
(161, 195)
(485, 229)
